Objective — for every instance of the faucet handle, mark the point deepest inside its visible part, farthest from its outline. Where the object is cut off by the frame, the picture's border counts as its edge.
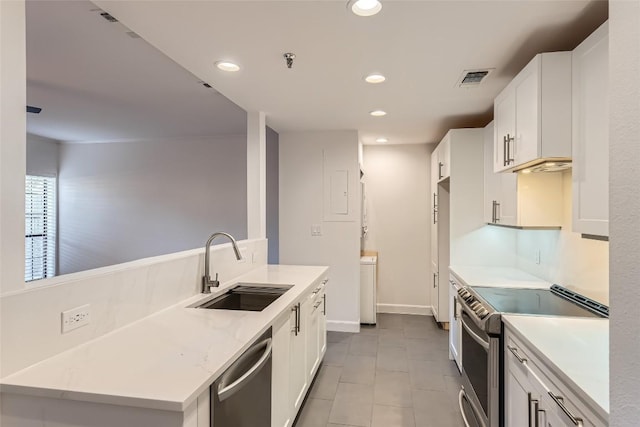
(216, 283)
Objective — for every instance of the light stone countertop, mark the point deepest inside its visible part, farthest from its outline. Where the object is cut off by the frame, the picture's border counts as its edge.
(502, 277)
(166, 360)
(576, 348)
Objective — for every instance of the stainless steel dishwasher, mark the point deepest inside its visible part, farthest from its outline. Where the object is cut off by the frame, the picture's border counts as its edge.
(241, 397)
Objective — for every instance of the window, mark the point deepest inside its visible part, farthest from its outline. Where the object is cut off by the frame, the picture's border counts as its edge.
(40, 228)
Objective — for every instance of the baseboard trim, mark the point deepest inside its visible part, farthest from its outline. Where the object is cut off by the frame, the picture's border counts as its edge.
(424, 310)
(342, 326)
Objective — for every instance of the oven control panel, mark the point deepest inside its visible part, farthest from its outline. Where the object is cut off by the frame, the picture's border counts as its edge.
(473, 303)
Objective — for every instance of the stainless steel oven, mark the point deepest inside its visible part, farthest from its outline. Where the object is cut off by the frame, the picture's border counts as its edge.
(479, 397)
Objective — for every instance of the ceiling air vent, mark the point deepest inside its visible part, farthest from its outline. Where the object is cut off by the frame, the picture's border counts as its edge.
(108, 17)
(472, 78)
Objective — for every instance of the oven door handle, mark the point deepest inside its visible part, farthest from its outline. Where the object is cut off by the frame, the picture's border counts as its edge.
(476, 337)
(463, 395)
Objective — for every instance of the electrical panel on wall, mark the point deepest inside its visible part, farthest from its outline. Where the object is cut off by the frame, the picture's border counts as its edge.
(340, 188)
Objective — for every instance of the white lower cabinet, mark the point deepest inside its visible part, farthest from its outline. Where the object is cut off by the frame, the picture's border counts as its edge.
(281, 408)
(529, 386)
(299, 344)
(455, 325)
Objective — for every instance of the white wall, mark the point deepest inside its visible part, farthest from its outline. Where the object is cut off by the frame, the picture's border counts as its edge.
(42, 156)
(302, 160)
(119, 202)
(12, 143)
(566, 258)
(624, 210)
(397, 187)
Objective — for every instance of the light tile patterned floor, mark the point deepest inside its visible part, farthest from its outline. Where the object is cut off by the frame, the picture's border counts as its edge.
(396, 374)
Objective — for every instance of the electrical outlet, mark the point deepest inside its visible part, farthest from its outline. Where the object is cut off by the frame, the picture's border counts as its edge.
(316, 230)
(76, 317)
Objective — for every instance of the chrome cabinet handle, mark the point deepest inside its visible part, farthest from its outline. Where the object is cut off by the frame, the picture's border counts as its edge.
(317, 290)
(504, 151)
(509, 140)
(536, 409)
(325, 281)
(498, 212)
(560, 402)
(224, 392)
(514, 351)
(440, 165)
(435, 207)
(435, 276)
(484, 344)
(324, 304)
(455, 308)
(493, 211)
(296, 310)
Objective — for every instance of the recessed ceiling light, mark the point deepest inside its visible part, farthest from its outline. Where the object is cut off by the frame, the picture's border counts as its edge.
(375, 78)
(526, 171)
(378, 113)
(382, 140)
(364, 7)
(227, 66)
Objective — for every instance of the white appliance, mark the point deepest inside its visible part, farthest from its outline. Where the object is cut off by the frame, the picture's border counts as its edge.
(368, 283)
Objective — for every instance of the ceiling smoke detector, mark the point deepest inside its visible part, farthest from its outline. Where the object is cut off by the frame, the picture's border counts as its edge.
(471, 78)
(289, 57)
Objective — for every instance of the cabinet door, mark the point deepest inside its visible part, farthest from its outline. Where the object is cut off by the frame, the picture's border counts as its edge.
(491, 179)
(455, 338)
(504, 113)
(591, 134)
(434, 290)
(434, 207)
(527, 93)
(281, 407)
(312, 333)
(507, 210)
(298, 370)
(444, 158)
(322, 322)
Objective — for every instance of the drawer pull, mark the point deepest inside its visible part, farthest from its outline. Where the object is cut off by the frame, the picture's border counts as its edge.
(324, 282)
(514, 351)
(560, 402)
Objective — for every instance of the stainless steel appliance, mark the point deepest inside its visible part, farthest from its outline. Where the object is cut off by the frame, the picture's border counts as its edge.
(241, 397)
(481, 396)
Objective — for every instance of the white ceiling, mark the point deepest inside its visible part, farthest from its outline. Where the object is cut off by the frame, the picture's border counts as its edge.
(94, 82)
(421, 46)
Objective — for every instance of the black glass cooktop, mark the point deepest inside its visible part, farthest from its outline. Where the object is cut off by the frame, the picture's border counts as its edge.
(531, 301)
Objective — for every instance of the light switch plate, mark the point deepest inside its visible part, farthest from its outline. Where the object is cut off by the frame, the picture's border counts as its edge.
(316, 230)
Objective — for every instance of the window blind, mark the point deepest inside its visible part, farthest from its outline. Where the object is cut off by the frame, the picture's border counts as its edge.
(40, 227)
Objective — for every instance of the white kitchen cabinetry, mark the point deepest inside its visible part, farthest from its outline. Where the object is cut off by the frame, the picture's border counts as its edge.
(444, 158)
(298, 378)
(529, 386)
(455, 335)
(532, 114)
(500, 197)
(524, 200)
(457, 209)
(281, 407)
(591, 134)
(316, 330)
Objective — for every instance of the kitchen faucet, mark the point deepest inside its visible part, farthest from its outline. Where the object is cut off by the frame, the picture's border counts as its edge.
(207, 283)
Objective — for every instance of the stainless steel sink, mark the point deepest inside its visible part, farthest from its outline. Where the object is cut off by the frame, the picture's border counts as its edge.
(246, 297)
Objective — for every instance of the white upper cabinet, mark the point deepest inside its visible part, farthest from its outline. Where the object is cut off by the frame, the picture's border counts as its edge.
(522, 200)
(591, 134)
(532, 115)
(444, 158)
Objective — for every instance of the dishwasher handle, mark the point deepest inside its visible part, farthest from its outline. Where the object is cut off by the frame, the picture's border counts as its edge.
(226, 391)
